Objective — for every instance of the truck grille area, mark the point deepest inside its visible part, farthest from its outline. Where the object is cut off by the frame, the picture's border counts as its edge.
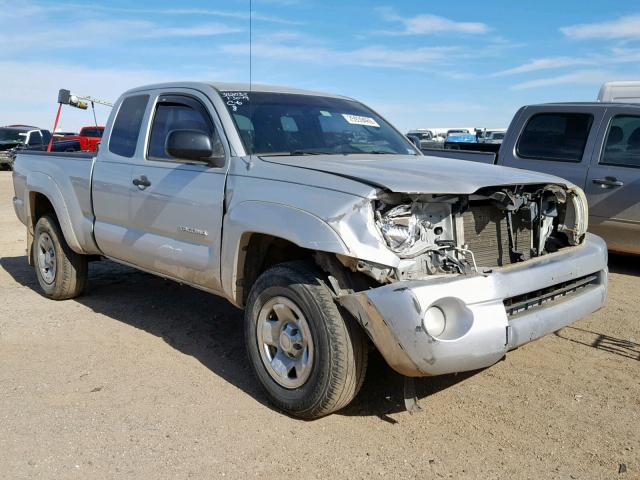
(486, 233)
(5, 157)
(529, 301)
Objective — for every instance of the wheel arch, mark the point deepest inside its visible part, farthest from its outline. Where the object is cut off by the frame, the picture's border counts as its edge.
(257, 235)
(43, 196)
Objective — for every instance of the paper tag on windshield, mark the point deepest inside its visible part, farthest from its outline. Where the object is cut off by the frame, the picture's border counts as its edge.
(359, 120)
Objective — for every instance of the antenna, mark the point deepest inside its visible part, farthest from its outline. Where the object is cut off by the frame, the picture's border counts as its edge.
(250, 69)
(250, 45)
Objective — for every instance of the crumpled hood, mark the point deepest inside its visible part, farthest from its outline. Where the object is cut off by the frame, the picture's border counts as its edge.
(416, 173)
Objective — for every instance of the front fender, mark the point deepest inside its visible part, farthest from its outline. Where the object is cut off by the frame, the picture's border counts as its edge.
(295, 225)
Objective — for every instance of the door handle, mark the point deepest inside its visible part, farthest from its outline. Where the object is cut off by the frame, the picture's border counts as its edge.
(608, 182)
(142, 182)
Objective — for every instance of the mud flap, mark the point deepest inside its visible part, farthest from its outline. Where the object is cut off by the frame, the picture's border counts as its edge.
(410, 398)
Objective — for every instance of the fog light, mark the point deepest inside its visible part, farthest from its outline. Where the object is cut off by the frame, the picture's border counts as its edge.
(434, 321)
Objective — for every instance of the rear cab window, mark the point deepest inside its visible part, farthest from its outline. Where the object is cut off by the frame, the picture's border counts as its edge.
(126, 127)
(91, 132)
(559, 137)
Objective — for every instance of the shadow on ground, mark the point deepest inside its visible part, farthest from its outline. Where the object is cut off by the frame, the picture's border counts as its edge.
(209, 329)
(599, 341)
(624, 264)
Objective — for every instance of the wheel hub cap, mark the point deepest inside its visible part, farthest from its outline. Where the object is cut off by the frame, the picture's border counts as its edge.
(285, 343)
(46, 254)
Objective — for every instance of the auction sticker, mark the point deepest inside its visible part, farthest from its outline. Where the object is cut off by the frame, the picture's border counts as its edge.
(359, 120)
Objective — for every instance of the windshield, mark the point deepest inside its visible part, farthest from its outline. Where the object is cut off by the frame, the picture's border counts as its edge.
(12, 135)
(292, 124)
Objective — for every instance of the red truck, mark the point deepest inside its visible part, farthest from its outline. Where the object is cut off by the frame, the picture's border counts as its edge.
(89, 137)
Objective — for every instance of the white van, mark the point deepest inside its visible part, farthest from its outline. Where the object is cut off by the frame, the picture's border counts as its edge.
(623, 92)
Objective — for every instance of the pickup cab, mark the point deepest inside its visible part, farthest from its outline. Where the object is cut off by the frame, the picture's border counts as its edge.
(88, 138)
(325, 224)
(594, 145)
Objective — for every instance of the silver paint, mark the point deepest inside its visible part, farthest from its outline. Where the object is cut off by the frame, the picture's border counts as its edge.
(319, 203)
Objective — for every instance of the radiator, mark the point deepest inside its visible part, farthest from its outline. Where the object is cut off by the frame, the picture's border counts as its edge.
(487, 235)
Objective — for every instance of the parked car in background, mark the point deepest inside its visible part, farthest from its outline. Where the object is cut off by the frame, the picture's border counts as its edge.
(16, 138)
(57, 136)
(89, 137)
(595, 145)
(493, 136)
(423, 138)
(456, 131)
(11, 137)
(324, 223)
(20, 137)
(457, 137)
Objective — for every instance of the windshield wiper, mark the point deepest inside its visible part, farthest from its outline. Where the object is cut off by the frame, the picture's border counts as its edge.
(293, 153)
(311, 152)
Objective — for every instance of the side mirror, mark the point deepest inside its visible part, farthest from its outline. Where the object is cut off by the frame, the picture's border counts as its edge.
(194, 145)
(414, 141)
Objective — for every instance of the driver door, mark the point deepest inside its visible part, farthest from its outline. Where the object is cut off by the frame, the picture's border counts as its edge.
(177, 205)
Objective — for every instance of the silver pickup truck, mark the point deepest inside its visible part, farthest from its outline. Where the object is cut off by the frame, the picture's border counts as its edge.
(325, 224)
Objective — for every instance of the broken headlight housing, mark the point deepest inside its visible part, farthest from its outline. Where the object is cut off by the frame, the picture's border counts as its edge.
(410, 229)
(492, 227)
(420, 230)
(576, 216)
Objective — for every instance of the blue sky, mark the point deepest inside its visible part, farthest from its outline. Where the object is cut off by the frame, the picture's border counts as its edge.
(419, 63)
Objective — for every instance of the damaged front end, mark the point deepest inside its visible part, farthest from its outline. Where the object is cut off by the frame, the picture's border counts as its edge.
(472, 234)
(477, 274)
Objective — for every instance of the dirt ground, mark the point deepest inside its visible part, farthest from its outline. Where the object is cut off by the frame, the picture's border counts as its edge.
(144, 378)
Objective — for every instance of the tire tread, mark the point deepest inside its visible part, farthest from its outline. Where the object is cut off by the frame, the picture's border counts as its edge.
(72, 269)
(347, 343)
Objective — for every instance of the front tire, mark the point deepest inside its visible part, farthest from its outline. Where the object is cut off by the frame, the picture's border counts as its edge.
(61, 272)
(310, 358)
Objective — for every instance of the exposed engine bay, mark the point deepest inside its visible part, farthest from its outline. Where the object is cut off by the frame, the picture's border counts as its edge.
(472, 234)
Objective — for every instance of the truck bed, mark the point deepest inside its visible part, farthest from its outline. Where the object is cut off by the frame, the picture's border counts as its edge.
(68, 176)
(49, 155)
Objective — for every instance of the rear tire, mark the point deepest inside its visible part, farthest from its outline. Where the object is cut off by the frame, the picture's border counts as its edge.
(61, 272)
(318, 354)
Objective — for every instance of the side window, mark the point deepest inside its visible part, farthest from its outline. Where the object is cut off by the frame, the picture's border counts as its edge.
(126, 127)
(35, 139)
(46, 136)
(622, 146)
(172, 115)
(555, 136)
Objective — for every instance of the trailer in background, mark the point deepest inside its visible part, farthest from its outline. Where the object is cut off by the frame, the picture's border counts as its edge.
(620, 92)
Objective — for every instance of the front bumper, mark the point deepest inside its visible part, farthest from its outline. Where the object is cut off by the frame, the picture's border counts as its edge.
(485, 329)
(6, 158)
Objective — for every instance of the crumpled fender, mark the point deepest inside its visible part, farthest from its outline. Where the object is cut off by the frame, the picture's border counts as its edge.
(295, 225)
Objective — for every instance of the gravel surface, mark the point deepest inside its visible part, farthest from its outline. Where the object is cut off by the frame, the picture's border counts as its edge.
(144, 378)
